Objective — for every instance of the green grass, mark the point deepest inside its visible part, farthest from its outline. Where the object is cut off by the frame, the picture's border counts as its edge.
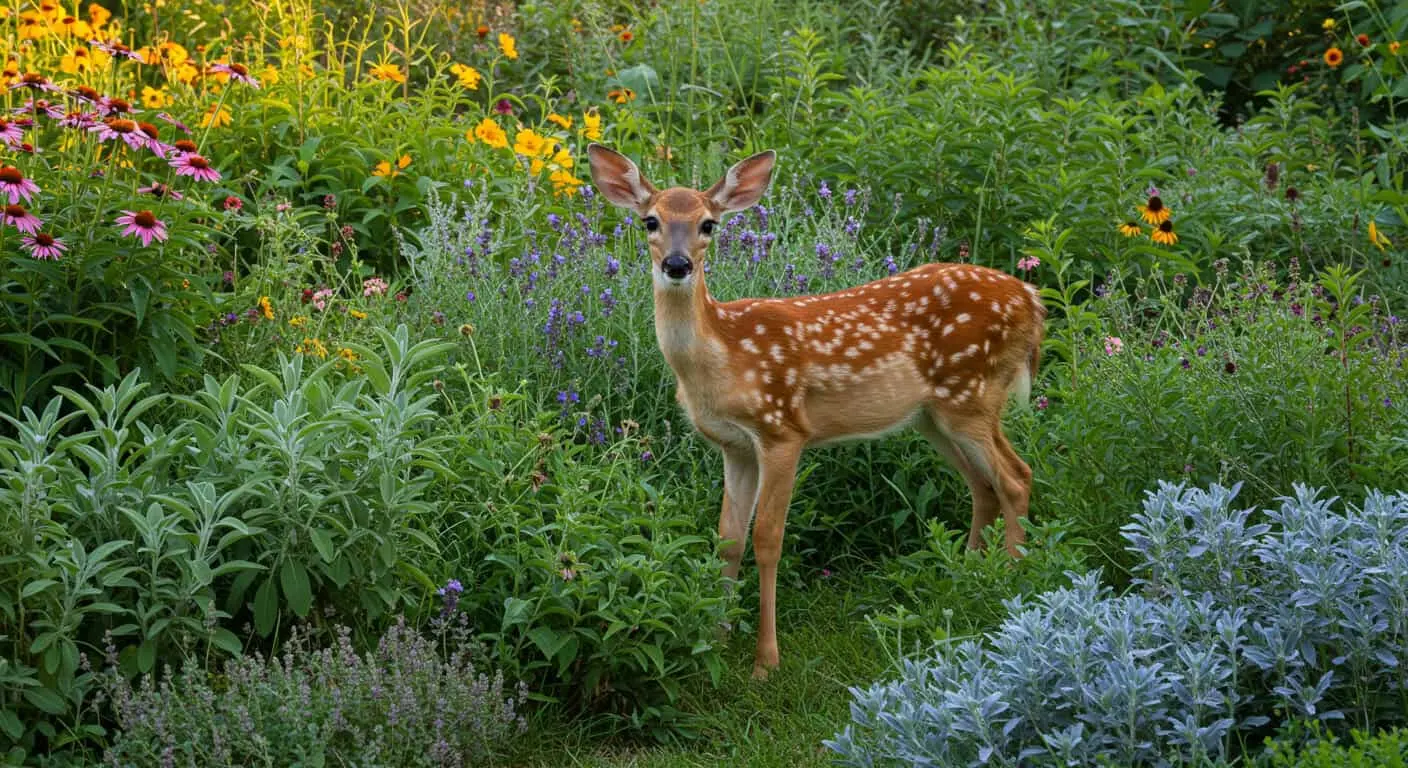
(826, 647)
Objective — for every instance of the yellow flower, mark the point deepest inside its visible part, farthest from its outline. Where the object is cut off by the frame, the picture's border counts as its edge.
(468, 76)
(384, 168)
(1334, 57)
(296, 42)
(564, 182)
(270, 75)
(508, 45)
(311, 346)
(174, 53)
(214, 118)
(591, 124)
(81, 61)
(528, 143)
(346, 354)
(1130, 229)
(1377, 238)
(33, 26)
(1327, 24)
(357, 314)
(563, 122)
(386, 71)
(98, 15)
(490, 133)
(155, 99)
(185, 72)
(266, 307)
(1393, 47)
(557, 155)
(298, 322)
(1164, 234)
(1154, 211)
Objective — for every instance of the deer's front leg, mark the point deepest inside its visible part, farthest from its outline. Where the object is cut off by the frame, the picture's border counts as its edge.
(778, 465)
(740, 494)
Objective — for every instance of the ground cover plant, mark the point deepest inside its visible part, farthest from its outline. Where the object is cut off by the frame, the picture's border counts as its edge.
(325, 372)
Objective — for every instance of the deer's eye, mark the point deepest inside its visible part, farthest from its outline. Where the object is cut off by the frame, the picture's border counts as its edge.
(707, 227)
(651, 223)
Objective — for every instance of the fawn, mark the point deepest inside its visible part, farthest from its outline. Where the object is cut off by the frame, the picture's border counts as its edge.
(940, 347)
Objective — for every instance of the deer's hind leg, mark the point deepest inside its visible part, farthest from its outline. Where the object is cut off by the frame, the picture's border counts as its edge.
(985, 502)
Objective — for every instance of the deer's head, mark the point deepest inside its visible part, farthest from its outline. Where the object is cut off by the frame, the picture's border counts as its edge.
(679, 221)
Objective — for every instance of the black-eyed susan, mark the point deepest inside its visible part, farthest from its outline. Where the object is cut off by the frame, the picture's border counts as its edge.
(1164, 234)
(1334, 57)
(1130, 229)
(1154, 211)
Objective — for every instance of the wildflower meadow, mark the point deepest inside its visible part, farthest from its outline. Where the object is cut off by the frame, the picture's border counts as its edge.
(362, 401)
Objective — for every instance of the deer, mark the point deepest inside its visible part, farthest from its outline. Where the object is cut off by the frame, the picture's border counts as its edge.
(941, 348)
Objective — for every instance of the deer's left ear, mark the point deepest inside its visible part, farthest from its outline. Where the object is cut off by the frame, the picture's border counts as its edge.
(619, 180)
(744, 184)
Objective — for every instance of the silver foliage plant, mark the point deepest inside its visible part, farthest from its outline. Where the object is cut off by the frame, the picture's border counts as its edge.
(1236, 623)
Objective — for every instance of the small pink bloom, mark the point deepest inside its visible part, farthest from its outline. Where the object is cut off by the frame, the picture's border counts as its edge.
(195, 166)
(22, 219)
(568, 574)
(320, 298)
(1113, 345)
(143, 224)
(43, 246)
(374, 286)
(15, 185)
(1029, 263)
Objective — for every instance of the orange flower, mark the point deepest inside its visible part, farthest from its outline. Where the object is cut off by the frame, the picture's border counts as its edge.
(1334, 57)
(621, 96)
(625, 36)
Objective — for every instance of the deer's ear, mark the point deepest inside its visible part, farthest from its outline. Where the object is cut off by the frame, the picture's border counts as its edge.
(744, 184)
(619, 180)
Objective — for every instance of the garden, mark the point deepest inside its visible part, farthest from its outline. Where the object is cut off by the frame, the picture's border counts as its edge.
(335, 428)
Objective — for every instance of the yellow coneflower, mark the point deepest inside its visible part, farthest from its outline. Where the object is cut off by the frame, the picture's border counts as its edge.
(1377, 238)
(1130, 229)
(1164, 234)
(1334, 57)
(1154, 211)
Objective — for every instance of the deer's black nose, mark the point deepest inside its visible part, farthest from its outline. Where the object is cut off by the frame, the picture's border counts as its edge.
(676, 266)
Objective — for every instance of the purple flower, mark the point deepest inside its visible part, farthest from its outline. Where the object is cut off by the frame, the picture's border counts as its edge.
(850, 197)
(43, 246)
(824, 192)
(195, 166)
(21, 219)
(469, 297)
(144, 225)
(14, 185)
(646, 457)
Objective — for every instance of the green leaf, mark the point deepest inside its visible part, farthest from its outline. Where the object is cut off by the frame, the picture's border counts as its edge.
(322, 541)
(11, 725)
(46, 700)
(266, 607)
(294, 580)
(226, 641)
(146, 655)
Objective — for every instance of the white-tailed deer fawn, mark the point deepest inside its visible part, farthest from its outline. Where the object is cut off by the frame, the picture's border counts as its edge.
(940, 348)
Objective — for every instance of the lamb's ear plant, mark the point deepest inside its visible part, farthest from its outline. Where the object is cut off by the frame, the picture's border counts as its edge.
(1236, 626)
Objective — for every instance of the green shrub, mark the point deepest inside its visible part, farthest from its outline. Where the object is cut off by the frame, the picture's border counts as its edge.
(1377, 749)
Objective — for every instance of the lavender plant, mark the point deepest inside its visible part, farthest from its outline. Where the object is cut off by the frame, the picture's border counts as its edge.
(421, 698)
(1234, 624)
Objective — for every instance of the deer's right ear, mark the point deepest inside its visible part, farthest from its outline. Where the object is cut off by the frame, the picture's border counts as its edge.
(618, 178)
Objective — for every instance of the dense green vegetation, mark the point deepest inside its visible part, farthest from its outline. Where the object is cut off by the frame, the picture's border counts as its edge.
(324, 372)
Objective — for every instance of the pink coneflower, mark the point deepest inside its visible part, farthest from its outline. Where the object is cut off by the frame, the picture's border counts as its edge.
(36, 106)
(43, 246)
(237, 72)
(118, 128)
(115, 48)
(14, 184)
(36, 81)
(143, 224)
(195, 166)
(169, 119)
(153, 140)
(184, 147)
(111, 105)
(22, 219)
(157, 189)
(10, 132)
(80, 120)
(86, 95)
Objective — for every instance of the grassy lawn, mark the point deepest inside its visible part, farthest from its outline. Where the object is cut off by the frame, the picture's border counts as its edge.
(780, 722)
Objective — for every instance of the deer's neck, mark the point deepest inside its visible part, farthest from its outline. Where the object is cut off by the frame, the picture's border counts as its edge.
(686, 326)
